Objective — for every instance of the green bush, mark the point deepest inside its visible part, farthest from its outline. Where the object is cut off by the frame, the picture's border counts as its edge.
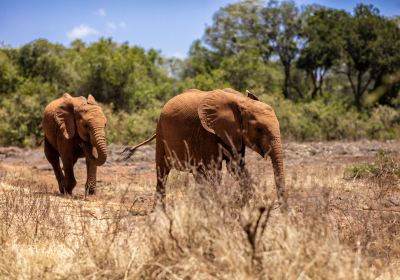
(8, 74)
(384, 166)
(131, 79)
(130, 128)
(384, 123)
(206, 81)
(21, 113)
(318, 120)
(322, 120)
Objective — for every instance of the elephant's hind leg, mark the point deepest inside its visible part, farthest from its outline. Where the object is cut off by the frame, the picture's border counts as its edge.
(162, 173)
(54, 159)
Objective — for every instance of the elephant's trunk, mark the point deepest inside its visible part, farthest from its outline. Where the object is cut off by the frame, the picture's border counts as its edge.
(277, 164)
(99, 138)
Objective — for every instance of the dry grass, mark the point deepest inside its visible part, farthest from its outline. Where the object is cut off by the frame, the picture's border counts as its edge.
(336, 229)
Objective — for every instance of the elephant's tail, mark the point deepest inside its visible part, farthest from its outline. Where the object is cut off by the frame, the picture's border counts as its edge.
(129, 151)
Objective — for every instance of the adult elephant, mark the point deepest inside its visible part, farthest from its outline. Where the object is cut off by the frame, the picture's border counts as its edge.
(74, 127)
(201, 129)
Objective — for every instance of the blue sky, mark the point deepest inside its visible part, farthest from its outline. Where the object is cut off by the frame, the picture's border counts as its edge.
(167, 25)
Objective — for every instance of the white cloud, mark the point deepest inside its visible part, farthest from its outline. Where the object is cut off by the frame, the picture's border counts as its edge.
(178, 55)
(111, 25)
(81, 31)
(101, 12)
(114, 26)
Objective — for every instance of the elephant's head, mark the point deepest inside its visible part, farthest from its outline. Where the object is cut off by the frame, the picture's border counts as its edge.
(84, 117)
(245, 121)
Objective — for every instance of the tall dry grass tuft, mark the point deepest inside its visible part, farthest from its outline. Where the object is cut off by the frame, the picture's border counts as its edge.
(47, 236)
(335, 229)
(198, 239)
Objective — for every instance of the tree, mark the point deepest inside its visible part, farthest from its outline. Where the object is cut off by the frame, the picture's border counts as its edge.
(323, 45)
(242, 70)
(238, 27)
(386, 88)
(9, 76)
(128, 77)
(45, 61)
(283, 21)
(370, 51)
(201, 60)
(239, 45)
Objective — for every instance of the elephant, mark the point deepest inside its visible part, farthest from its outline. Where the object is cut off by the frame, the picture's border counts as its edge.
(201, 129)
(74, 127)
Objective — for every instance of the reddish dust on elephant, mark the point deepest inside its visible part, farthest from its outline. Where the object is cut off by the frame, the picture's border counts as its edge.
(74, 127)
(198, 130)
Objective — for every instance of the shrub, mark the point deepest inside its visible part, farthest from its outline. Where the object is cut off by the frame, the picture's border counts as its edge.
(385, 166)
(384, 123)
(21, 113)
(130, 128)
(8, 74)
(332, 120)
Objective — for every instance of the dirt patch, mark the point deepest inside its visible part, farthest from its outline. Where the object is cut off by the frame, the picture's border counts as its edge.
(136, 176)
(334, 223)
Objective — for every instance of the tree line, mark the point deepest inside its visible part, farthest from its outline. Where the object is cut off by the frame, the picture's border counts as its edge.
(317, 50)
(298, 55)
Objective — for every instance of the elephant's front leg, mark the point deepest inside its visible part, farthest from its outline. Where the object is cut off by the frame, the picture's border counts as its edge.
(91, 168)
(211, 174)
(69, 182)
(238, 170)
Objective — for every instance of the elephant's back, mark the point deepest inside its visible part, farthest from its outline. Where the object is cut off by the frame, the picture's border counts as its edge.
(180, 129)
(183, 106)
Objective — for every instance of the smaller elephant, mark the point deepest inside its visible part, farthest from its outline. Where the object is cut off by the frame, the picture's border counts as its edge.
(201, 129)
(74, 127)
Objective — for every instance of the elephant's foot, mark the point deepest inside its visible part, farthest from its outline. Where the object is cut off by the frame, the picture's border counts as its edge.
(283, 201)
(159, 202)
(90, 190)
(62, 189)
(247, 191)
(283, 206)
(245, 199)
(66, 188)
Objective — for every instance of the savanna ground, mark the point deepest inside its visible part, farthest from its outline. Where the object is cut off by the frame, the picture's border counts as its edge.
(344, 223)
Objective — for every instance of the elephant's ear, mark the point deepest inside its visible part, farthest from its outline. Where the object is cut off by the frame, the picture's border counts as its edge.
(65, 117)
(91, 100)
(220, 115)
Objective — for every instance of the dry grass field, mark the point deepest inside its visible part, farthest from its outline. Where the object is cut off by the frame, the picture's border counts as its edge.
(343, 223)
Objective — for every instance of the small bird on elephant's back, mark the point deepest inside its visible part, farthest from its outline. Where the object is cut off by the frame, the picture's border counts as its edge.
(74, 127)
(202, 129)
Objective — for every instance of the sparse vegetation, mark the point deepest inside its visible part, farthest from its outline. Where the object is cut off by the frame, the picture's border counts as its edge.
(384, 167)
(329, 75)
(336, 228)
